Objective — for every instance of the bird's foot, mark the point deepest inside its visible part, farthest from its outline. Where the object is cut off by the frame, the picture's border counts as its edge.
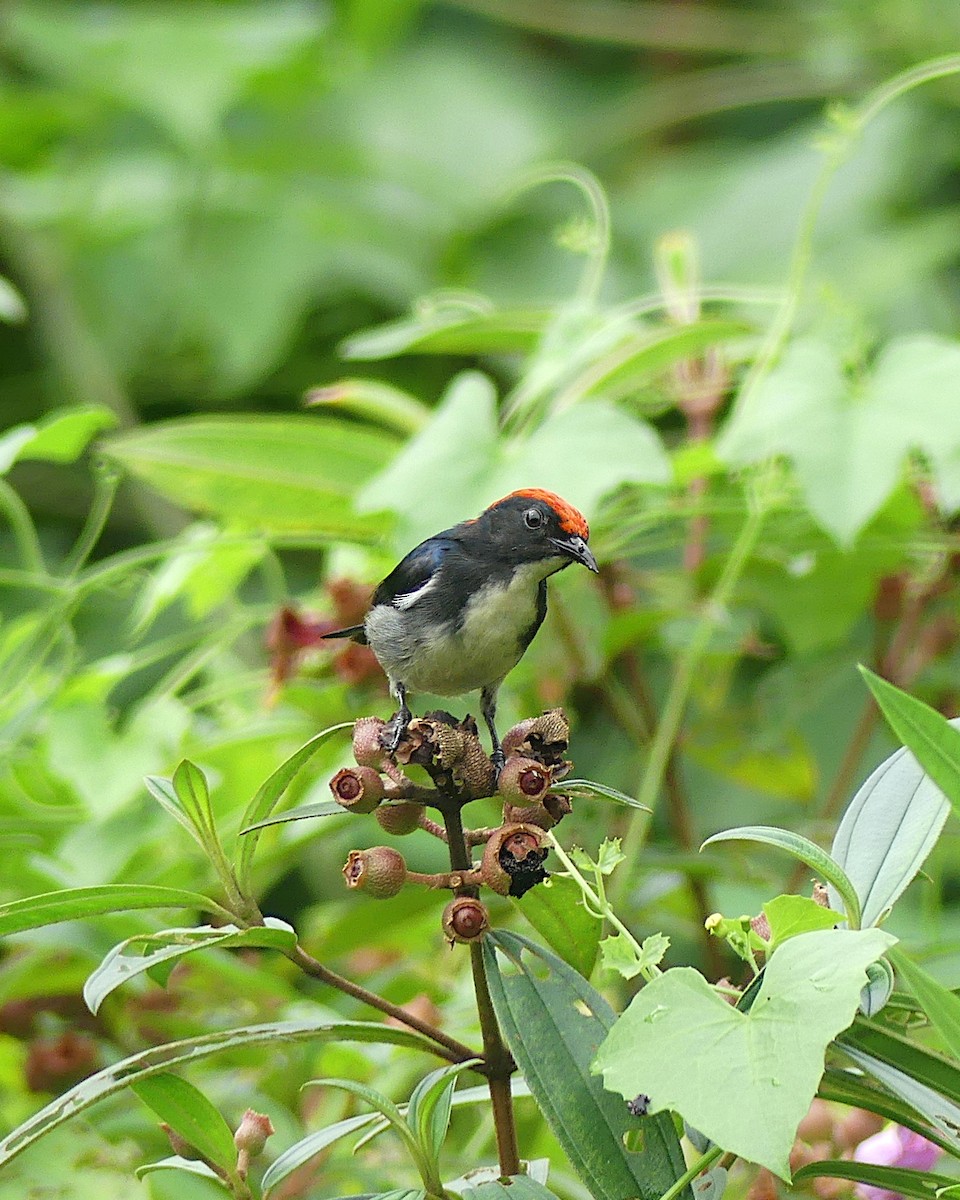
(498, 759)
(393, 732)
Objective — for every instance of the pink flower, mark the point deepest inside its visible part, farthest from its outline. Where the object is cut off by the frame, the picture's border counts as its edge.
(894, 1146)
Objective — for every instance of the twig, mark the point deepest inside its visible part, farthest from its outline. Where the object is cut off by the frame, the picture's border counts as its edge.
(446, 1047)
(498, 1062)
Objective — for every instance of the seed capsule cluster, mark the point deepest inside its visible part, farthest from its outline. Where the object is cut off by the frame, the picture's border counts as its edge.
(460, 771)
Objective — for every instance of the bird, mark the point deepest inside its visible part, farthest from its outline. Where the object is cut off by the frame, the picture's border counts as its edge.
(458, 612)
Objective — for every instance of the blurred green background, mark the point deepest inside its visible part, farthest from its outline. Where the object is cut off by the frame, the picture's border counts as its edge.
(201, 203)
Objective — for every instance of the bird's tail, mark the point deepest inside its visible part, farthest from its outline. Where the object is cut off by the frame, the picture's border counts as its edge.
(355, 633)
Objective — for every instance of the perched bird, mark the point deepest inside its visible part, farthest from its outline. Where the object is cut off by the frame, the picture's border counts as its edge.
(458, 612)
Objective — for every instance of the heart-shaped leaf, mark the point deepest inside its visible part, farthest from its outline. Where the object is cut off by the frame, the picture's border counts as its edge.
(690, 1051)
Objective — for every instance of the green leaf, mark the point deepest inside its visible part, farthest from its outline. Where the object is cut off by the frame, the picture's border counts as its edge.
(554, 1023)
(646, 355)
(806, 851)
(790, 915)
(876, 995)
(451, 333)
(190, 786)
(301, 1152)
(139, 1066)
(303, 812)
(165, 794)
(588, 787)
(269, 795)
(851, 1089)
(922, 1184)
(428, 1111)
(894, 820)
(374, 401)
(935, 742)
(188, 1112)
(61, 437)
(689, 1051)
(515, 1187)
(941, 1006)
(848, 439)
(618, 954)
(271, 473)
(556, 911)
(941, 1112)
(192, 1166)
(934, 1071)
(387, 1109)
(145, 951)
(73, 904)
(458, 464)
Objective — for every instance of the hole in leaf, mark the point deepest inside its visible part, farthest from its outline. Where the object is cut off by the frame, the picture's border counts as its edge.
(583, 1008)
(634, 1140)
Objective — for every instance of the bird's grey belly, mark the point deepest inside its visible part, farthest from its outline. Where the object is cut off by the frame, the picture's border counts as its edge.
(448, 661)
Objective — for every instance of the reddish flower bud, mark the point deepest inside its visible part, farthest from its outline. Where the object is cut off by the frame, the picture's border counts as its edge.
(465, 919)
(513, 860)
(252, 1132)
(357, 789)
(399, 819)
(379, 871)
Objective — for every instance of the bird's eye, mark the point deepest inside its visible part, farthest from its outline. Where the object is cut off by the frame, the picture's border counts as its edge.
(533, 518)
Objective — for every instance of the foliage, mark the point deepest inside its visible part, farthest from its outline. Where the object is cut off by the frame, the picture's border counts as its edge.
(730, 337)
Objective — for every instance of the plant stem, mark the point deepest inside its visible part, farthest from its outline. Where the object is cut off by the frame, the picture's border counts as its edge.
(446, 1047)
(498, 1062)
(106, 482)
(22, 528)
(707, 1159)
(683, 677)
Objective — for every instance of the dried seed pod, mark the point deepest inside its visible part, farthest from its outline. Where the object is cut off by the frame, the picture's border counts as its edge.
(367, 746)
(523, 781)
(357, 789)
(451, 752)
(465, 919)
(399, 819)
(380, 871)
(544, 738)
(549, 812)
(513, 859)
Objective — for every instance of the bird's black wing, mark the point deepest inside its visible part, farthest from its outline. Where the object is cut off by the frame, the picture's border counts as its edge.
(414, 571)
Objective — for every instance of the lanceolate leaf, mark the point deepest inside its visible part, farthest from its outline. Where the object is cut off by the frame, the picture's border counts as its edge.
(587, 787)
(188, 1112)
(192, 1166)
(935, 1071)
(115, 1078)
(144, 952)
(894, 820)
(855, 1091)
(428, 1112)
(270, 473)
(554, 1023)
(922, 1184)
(556, 911)
(301, 1152)
(941, 1006)
(303, 812)
(72, 904)
(451, 333)
(806, 851)
(517, 1187)
(270, 794)
(941, 1112)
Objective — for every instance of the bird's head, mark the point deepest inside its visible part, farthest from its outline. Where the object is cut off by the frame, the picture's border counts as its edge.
(532, 524)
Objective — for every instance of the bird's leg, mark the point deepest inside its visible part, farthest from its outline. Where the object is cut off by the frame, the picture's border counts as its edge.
(488, 706)
(396, 727)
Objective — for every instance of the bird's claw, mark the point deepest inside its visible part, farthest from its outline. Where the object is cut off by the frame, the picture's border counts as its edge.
(498, 759)
(392, 733)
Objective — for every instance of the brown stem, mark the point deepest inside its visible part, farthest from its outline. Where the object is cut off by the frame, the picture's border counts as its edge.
(446, 1047)
(498, 1063)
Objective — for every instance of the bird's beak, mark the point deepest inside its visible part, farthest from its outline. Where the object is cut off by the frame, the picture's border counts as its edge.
(577, 549)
